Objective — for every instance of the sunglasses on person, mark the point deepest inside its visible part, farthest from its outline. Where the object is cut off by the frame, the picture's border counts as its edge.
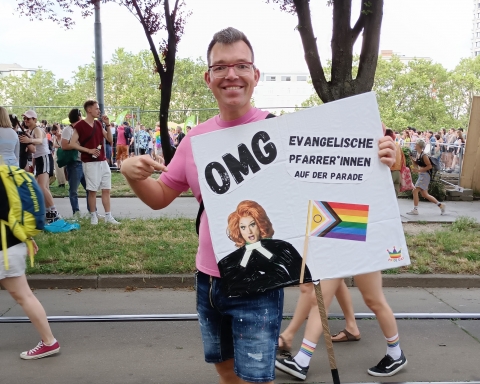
(25, 118)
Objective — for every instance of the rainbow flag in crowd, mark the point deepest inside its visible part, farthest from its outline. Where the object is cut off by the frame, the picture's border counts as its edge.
(338, 220)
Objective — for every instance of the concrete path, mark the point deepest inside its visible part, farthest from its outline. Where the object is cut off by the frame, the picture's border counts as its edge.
(171, 352)
(188, 207)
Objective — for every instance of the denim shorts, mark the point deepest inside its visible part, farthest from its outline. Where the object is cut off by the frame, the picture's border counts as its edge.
(245, 328)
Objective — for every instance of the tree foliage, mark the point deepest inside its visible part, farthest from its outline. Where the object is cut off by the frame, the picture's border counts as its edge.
(422, 93)
(153, 15)
(342, 82)
(129, 81)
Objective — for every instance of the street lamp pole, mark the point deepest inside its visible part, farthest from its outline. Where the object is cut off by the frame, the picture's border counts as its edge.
(99, 58)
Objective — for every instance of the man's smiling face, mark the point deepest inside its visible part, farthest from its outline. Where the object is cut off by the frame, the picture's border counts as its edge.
(233, 92)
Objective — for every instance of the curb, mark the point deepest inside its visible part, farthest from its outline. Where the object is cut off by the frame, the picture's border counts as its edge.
(406, 280)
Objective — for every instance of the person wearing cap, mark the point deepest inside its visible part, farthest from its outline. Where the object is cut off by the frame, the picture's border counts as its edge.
(43, 162)
(423, 167)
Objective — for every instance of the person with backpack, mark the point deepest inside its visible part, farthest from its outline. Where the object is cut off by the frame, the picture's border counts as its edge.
(241, 349)
(424, 168)
(14, 251)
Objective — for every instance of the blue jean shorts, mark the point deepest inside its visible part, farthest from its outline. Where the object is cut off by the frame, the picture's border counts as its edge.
(245, 329)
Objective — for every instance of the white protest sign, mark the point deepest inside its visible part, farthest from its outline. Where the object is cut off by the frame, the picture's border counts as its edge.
(266, 184)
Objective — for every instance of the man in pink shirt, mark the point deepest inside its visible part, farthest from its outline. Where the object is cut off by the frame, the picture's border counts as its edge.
(241, 349)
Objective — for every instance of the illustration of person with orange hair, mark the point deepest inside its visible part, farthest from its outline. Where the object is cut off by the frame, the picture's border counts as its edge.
(260, 262)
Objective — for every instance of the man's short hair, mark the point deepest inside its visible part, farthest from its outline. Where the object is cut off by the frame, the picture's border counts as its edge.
(74, 115)
(89, 103)
(228, 36)
(460, 129)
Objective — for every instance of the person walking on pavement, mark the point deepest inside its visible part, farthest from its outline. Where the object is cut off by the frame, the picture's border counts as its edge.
(423, 167)
(229, 325)
(14, 281)
(90, 134)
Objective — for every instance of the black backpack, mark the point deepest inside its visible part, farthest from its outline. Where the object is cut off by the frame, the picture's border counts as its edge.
(127, 133)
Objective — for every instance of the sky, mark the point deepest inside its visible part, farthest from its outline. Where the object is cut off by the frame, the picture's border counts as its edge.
(439, 29)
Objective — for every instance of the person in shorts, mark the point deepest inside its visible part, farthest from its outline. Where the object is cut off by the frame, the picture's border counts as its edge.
(122, 145)
(241, 349)
(43, 161)
(423, 167)
(91, 135)
(14, 281)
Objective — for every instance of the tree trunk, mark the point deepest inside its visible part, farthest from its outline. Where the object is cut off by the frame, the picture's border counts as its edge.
(165, 96)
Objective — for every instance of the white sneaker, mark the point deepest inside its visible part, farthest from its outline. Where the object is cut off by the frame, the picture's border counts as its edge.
(93, 219)
(100, 216)
(442, 207)
(413, 212)
(111, 220)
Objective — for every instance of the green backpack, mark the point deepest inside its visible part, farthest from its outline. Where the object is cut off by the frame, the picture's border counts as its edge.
(26, 208)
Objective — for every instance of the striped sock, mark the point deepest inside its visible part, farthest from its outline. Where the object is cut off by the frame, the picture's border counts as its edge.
(305, 354)
(393, 347)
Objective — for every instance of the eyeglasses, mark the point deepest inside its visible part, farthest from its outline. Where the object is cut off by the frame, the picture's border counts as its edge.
(241, 69)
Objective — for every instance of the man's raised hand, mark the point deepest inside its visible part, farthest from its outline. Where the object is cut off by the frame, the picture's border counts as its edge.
(386, 150)
(140, 167)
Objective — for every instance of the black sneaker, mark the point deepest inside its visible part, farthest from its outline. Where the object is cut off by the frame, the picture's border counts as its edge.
(290, 366)
(388, 366)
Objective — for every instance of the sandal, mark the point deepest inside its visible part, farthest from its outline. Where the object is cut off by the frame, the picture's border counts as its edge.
(284, 350)
(348, 337)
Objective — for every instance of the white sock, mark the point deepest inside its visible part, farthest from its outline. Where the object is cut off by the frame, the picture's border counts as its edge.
(49, 345)
(415, 207)
(393, 347)
(93, 214)
(305, 354)
(108, 215)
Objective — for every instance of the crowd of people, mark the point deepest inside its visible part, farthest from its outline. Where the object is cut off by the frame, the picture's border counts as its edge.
(447, 146)
(232, 339)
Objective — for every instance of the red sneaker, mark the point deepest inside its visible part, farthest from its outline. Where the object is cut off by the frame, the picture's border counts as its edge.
(41, 350)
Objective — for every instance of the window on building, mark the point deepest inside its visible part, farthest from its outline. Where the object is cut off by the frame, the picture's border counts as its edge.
(301, 78)
(271, 78)
(477, 44)
(477, 53)
(478, 34)
(286, 78)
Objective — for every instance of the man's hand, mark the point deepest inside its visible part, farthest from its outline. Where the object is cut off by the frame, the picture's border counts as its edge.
(386, 150)
(35, 247)
(25, 140)
(106, 120)
(140, 167)
(94, 152)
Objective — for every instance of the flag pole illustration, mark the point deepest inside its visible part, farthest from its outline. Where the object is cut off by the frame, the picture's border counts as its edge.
(305, 243)
(322, 220)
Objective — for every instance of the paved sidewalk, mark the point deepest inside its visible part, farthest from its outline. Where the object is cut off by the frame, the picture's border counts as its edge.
(188, 207)
(171, 352)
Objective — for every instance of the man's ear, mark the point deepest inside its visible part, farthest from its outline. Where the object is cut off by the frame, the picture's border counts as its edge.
(207, 78)
(256, 75)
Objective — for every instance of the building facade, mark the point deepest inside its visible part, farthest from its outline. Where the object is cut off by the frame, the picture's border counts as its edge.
(476, 29)
(277, 91)
(15, 70)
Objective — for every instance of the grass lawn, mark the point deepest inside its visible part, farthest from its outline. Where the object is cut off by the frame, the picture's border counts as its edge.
(120, 188)
(136, 246)
(169, 246)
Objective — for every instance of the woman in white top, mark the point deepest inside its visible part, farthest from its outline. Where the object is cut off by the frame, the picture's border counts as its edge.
(43, 162)
(9, 143)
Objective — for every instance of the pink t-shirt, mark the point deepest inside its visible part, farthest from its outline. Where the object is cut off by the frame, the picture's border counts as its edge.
(121, 135)
(182, 174)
